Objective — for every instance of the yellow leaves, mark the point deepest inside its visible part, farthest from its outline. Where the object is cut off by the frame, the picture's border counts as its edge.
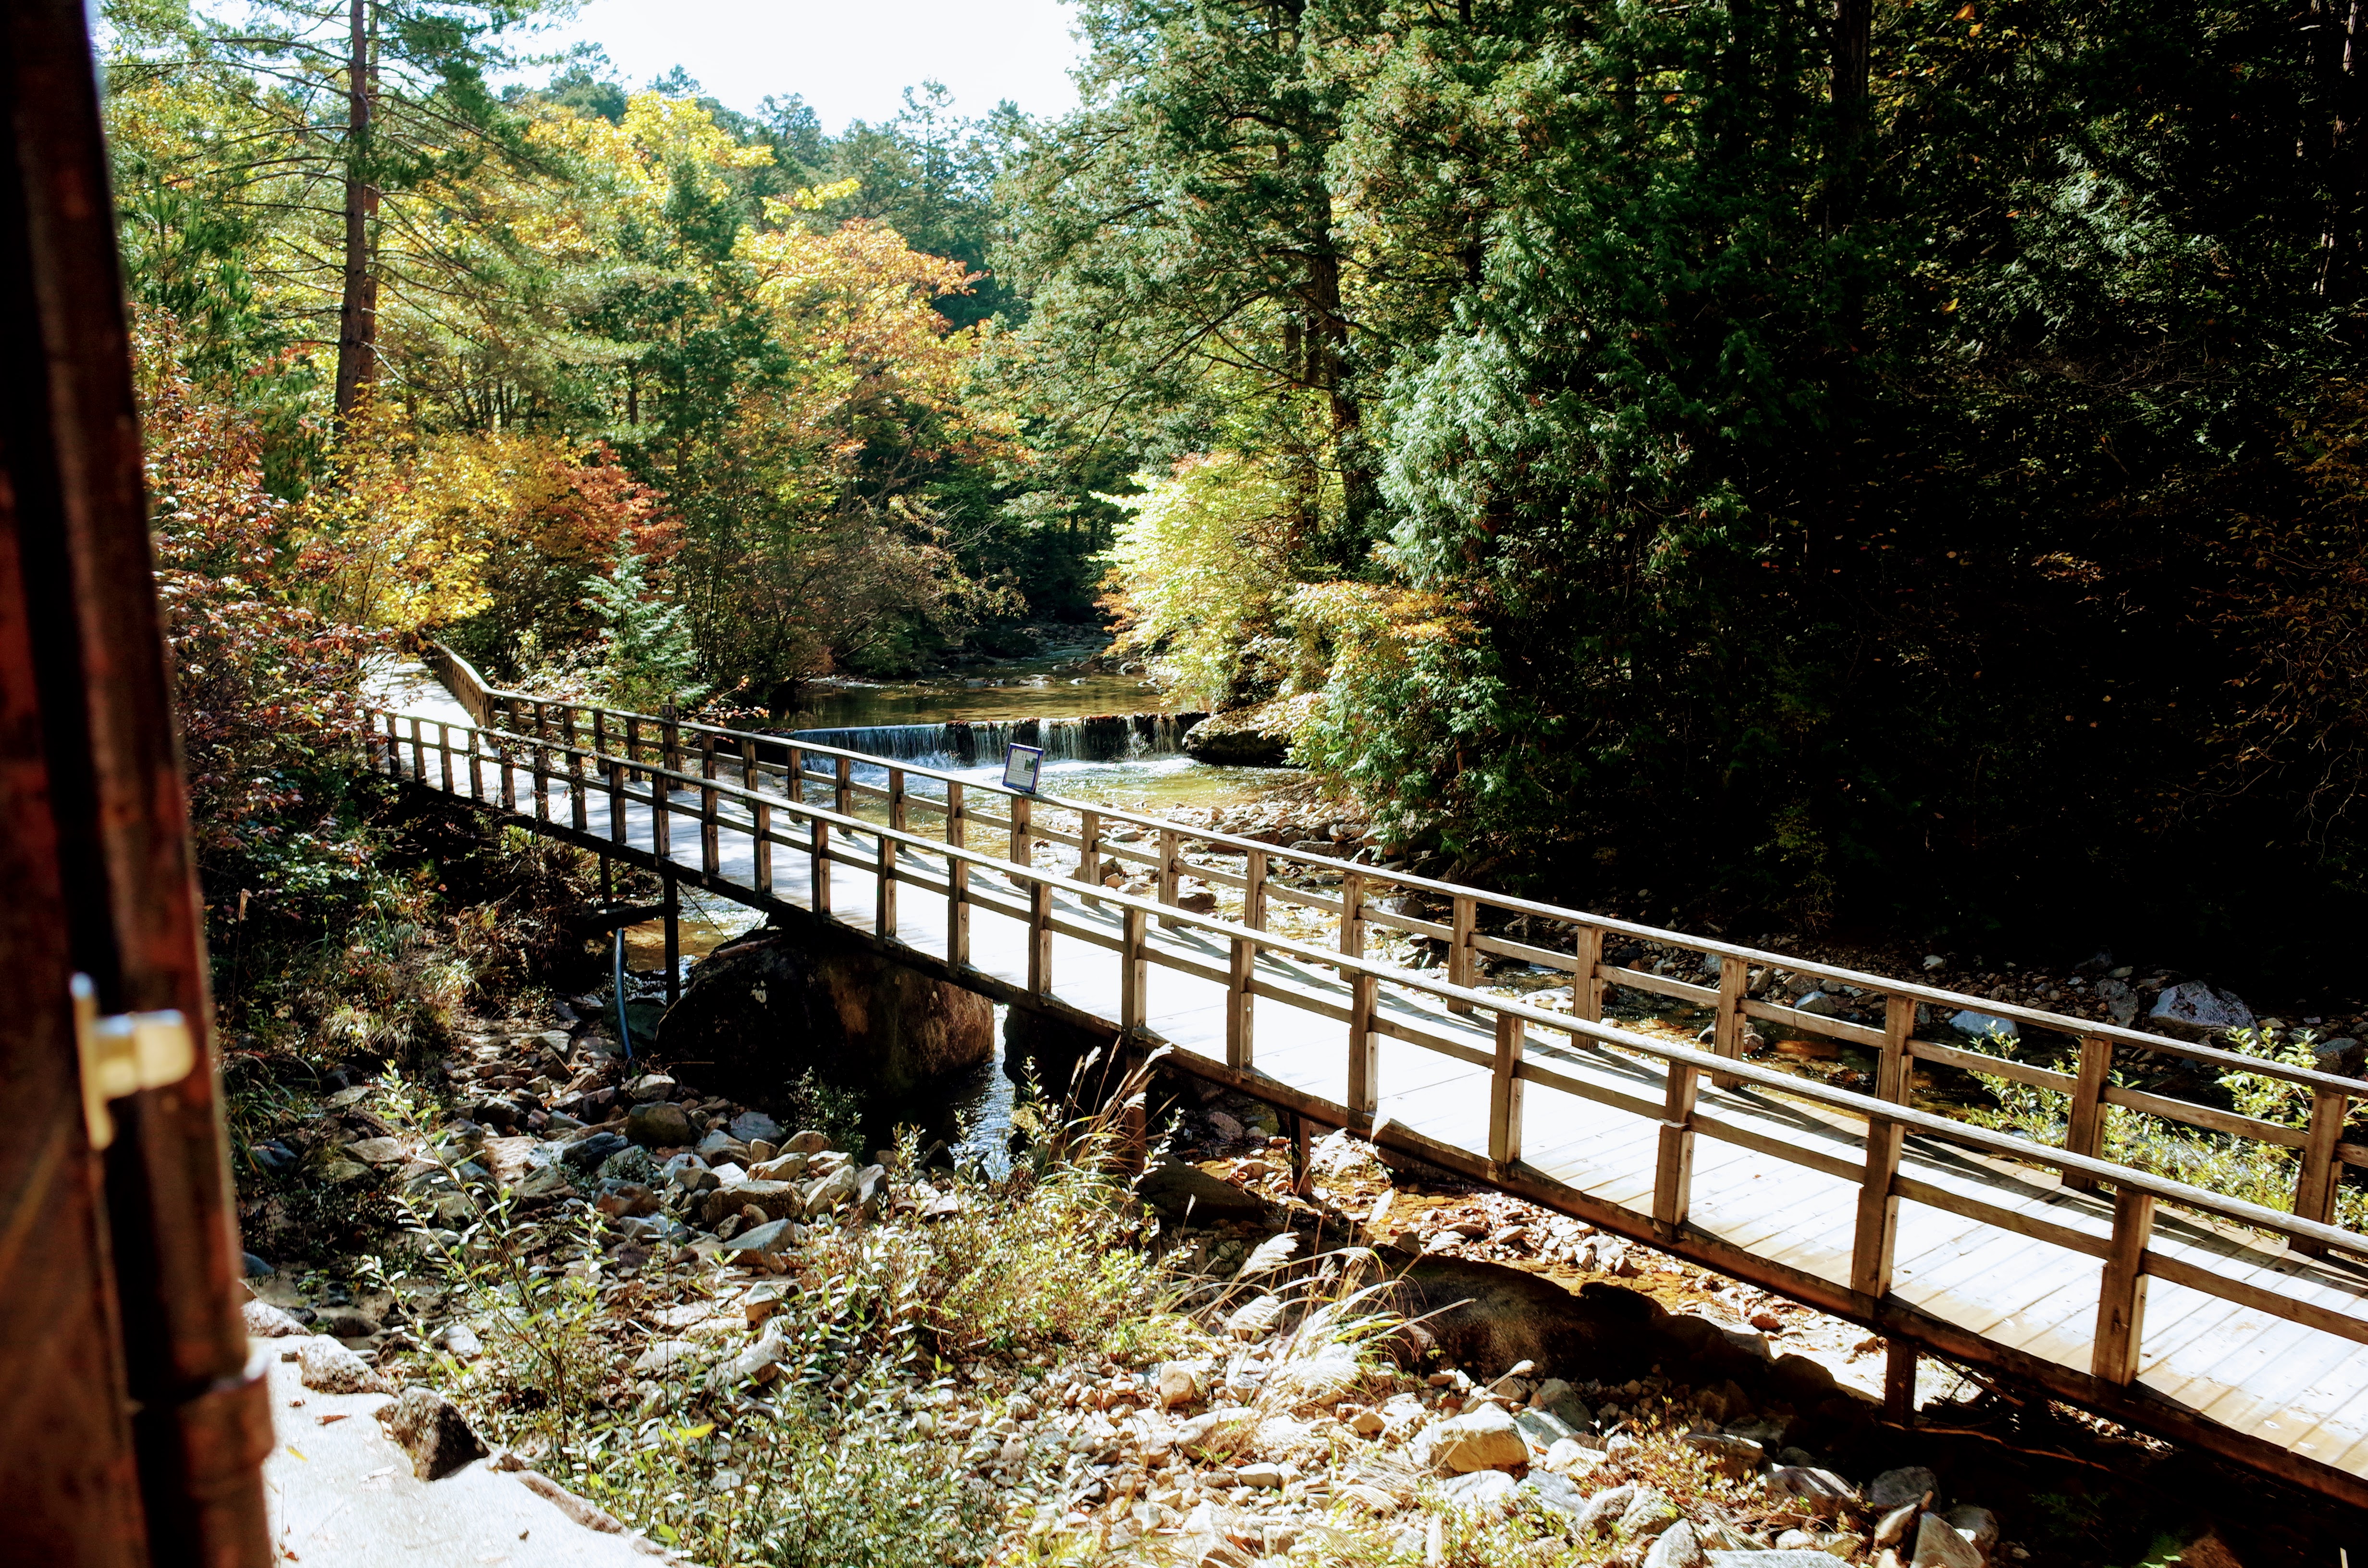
(660, 140)
(810, 199)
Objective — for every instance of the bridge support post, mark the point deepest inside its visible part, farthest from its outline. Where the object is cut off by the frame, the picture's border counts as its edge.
(1364, 1055)
(1587, 986)
(1302, 1165)
(2315, 1182)
(1900, 1381)
(673, 940)
(1461, 957)
(1878, 1210)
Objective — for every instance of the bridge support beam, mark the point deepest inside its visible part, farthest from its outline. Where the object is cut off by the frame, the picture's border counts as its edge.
(1899, 1359)
(673, 905)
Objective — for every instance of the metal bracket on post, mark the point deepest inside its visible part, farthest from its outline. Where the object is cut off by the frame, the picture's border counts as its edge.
(123, 1053)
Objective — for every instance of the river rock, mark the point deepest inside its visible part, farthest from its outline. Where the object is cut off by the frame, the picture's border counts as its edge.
(1782, 1557)
(2192, 1007)
(330, 1367)
(431, 1429)
(1978, 1526)
(780, 1167)
(769, 1007)
(1603, 1509)
(1555, 1491)
(1821, 1491)
(1897, 1488)
(267, 1322)
(1678, 1546)
(1484, 1438)
(1174, 1187)
(1937, 1545)
(586, 1154)
(1480, 1491)
(660, 1124)
(1981, 1025)
(777, 1200)
(1648, 1512)
(755, 1126)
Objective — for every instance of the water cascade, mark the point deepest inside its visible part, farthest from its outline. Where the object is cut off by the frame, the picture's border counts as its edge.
(1108, 737)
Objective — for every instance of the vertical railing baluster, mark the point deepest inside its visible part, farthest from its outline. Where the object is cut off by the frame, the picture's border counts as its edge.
(1040, 938)
(1240, 1000)
(1505, 1095)
(1133, 1003)
(1364, 1051)
(842, 799)
(1089, 854)
(1254, 895)
(1587, 985)
(444, 752)
(760, 852)
(2121, 1289)
(884, 872)
(1727, 1030)
(2084, 1129)
(711, 825)
(818, 857)
(579, 814)
(418, 753)
(2319, 1175)
(1170, 855)
(477, 766)
(1460, 954)
(1877, 1235)
(1673, 1171)
(957, 883)
(1352, 914)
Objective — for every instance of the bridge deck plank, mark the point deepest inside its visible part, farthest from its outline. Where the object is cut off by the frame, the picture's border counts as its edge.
(2290, 1385)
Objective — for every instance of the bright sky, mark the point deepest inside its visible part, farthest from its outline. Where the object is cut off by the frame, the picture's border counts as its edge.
(849, 59)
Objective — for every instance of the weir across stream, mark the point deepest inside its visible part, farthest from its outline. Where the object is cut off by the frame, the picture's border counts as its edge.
(2206, 1319)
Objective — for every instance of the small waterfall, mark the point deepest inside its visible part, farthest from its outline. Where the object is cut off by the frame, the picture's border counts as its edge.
(1108, 737)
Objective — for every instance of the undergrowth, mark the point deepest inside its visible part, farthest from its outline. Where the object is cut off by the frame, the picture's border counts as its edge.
(820, 1462)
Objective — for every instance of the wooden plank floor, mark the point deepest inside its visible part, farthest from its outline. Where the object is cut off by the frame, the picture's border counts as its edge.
(2296, 1389)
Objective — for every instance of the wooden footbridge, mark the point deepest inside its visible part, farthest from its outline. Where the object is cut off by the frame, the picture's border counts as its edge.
(2238, 1328)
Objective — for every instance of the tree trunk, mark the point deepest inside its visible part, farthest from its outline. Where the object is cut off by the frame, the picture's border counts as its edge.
(2338, 276)
(1853, 30)
(358, 310)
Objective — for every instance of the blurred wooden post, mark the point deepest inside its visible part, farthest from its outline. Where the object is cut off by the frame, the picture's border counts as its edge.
(761, 845)
(842, 796)
(884, 872)
(1352, 914)
(1254, 895)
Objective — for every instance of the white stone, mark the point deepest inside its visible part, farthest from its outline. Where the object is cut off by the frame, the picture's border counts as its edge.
(2198, 1008)
(1980, 1025)
(1485, 1438)
(1937, 1545)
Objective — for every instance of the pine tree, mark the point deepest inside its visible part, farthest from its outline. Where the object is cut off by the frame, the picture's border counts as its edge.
(646, 656)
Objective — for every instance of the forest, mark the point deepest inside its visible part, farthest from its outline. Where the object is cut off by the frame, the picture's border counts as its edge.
(1896, 467)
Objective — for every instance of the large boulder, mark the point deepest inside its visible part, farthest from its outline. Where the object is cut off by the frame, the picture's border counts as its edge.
(1260, 736)
(2196, 1009)
(763, 1010)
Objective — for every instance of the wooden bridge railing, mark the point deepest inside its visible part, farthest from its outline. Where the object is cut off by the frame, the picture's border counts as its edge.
(1374, 897)
(635, 760)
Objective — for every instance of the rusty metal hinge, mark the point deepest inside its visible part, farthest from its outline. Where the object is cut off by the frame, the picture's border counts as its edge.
(123, 1053)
